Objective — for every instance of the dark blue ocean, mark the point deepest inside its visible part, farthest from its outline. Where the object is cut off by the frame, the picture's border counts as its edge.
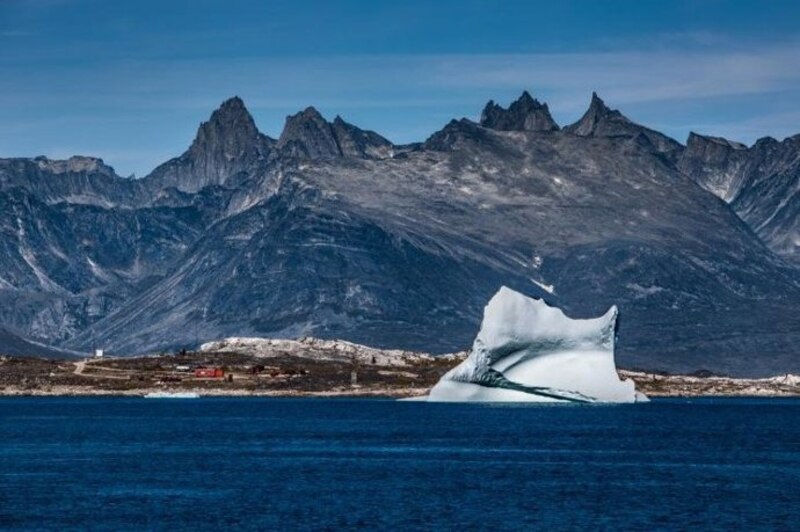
(272, 464)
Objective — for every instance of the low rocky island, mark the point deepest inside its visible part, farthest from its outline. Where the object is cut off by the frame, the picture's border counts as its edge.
(306, 367)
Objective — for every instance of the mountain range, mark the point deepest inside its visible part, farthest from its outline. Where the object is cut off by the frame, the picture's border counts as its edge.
(336, 232)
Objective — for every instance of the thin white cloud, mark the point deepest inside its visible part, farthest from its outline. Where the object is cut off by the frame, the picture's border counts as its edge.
(625, 76)
(622, 77)
(126, 94)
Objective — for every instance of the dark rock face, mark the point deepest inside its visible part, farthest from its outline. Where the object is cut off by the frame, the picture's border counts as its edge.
(332, 231)
(714, 163)
(601, 121)
(769, 198)
(307, 135)
(78, 180)
(66, 265)
(525, 114)
(761, 183)
(355, 142)
(228, 144)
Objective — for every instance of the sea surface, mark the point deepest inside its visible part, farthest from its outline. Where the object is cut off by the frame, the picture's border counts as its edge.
(286, 464)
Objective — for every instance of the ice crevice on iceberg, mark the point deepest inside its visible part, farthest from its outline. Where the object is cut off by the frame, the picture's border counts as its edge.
(528, 351)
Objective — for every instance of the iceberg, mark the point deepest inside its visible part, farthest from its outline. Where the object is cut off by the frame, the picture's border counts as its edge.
(529, 351)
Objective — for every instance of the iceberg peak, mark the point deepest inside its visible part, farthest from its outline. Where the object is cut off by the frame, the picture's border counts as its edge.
(527, 350)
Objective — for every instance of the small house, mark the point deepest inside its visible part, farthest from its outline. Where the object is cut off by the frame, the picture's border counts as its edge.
(209, 373)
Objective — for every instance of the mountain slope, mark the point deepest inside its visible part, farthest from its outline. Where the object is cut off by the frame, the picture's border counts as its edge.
(761, 183)
(335, 232)
(67, 264)
(11, 344)
(597, 220)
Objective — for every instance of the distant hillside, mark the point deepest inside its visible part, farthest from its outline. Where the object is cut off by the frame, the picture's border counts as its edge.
(11, 344)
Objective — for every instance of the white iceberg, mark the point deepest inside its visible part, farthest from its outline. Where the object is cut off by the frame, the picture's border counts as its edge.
(528, 351)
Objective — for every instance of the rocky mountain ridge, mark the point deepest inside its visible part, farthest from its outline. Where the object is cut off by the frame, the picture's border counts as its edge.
(601, 121)
(333, 231)
(308, 135)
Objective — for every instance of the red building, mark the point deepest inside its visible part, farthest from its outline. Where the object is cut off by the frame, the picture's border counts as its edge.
(209, 373)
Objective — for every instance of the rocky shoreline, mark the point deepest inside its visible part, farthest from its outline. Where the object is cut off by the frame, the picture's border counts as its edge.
(309, 367)
(650, 384)
(84, 391)
(660, 385)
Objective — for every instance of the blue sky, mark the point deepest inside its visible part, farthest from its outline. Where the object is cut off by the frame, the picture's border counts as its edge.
(131, 81)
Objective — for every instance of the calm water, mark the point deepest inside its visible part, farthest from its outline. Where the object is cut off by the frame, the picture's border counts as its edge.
(332, 464)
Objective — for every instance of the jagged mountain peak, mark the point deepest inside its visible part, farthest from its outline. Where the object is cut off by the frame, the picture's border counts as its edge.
(524, 114)
(598, 110)
(309, 113)
(338, 120)
(308, 117)
(356, 142)
(599, 120)
(308, 135)
(234, 103)
(597, 103)
(230, 119)
(227, 143)
(596, 117)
